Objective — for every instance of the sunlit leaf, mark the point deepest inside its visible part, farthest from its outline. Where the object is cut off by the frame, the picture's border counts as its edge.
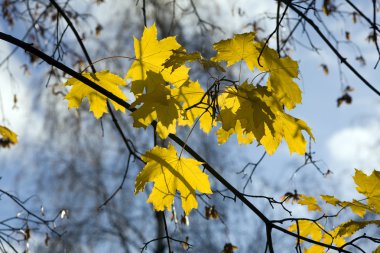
(239, 48)
(282, 71)
(170, 174)
(330, 199)
(151, 54)
(253, 113)
(370, 187)
(307, 228)
(357, 207)
(98, 102)
(310, 202)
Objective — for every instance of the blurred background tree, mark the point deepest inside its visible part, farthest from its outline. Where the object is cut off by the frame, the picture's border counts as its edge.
(76, 164)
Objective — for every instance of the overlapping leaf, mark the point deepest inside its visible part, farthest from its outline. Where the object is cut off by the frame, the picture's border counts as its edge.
(366, 185)
(282, 71)
(151, 54)
(194, 104)
(317, 232)
(157, 103)
(253, 113)
(170, 174)
(180, 57)
(98, 102)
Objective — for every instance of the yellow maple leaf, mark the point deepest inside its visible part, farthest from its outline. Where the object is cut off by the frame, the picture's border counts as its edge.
(170, 174)
(290, 128)
(240, 48)
(330, 200)
(8, 137)
(357, 207)
(370, 187)
(180, 57)
(350, 227)
(330, 237)
(151, 54)
(282, 71)
(157, 104)
(245, 104)
(98, 102)
(307, 228)
(309, 201)
(254, 113)
(194, 104)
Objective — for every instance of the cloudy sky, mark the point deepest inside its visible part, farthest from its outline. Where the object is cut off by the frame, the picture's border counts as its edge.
(346, 137)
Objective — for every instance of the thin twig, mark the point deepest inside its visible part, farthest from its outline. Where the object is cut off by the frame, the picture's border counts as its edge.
(335, 51)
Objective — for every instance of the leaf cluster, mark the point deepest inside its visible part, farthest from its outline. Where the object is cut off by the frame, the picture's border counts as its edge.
(165, 94)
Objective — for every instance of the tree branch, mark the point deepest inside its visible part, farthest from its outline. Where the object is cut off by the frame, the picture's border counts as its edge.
(335, 51)
(29, 48)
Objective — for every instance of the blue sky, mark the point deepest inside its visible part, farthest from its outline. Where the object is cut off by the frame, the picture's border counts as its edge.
(346, 137)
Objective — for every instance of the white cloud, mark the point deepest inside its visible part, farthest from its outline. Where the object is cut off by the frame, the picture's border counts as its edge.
(357, 146)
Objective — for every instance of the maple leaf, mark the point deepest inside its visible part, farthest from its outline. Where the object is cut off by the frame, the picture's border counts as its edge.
(330, 200)
(151, 54)
(195, 104)
(350, 227)
(239, 48)
(243, 111)
(307, 228)
(370, 187)
(309, 201)
(180, 57)
(367, 185)
(8, 137)
(252, 112)
(356, 207)
(170, 174)
(157, 104)
(290, 128)
(98, 101)
(317, 232)
(282, 71)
